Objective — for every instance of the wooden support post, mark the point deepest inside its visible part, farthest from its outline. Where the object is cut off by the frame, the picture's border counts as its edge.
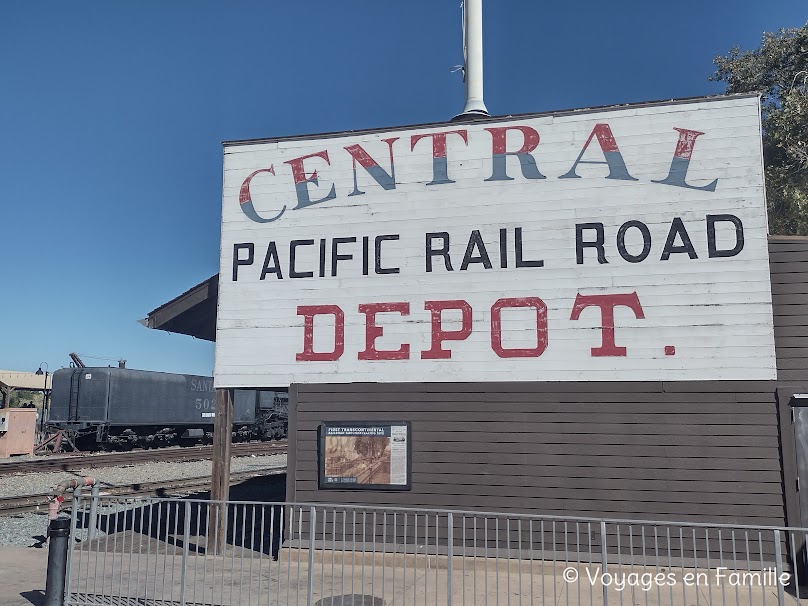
(5, 395)
(220, 482)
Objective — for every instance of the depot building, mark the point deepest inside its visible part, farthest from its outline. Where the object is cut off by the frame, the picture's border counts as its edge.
(572, 313)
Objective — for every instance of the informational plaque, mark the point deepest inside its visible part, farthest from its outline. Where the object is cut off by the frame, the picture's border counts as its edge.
(365, 456)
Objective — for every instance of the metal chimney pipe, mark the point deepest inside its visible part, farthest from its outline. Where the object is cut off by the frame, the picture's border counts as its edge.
(473, 35)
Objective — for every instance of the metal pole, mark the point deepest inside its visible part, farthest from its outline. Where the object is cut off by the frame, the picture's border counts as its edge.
(59, 534)
(41, 424)
(778, 562)
(449, 557)
(310, 578)
(186, 539)
(473, 27)
(74, 516)
(603, 560)
(92, 531)
(45, 406)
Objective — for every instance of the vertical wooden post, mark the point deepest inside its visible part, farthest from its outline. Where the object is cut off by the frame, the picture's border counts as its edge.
(220, 481)
(5, 393)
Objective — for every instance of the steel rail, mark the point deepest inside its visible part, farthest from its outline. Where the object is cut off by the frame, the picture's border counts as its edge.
(191, 453)
(34, 502)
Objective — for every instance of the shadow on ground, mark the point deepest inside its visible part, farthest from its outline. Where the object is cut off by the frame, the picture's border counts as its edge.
(255, 526)
(37, 598)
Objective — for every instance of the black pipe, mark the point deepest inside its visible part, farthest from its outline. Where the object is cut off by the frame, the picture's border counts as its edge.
(59, 533)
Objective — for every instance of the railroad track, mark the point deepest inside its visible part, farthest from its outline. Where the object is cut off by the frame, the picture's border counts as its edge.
(191, 453)
(34, 502)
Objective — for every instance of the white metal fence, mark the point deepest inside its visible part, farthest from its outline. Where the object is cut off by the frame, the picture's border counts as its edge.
(183, 551)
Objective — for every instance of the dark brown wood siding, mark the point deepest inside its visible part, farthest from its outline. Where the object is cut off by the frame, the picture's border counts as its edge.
(672, 451)
(788, 259)
(688, 451)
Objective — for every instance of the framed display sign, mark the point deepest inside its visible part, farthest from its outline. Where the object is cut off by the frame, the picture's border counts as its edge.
(366, 456)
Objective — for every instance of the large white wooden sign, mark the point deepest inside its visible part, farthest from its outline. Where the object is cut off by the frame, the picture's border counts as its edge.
(622, 244)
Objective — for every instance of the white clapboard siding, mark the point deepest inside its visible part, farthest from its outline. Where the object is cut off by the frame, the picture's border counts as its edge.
(705, 318)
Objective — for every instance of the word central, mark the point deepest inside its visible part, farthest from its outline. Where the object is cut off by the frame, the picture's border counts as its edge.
(310, 190)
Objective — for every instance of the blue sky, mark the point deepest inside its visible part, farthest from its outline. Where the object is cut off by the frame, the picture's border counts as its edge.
(112, 114)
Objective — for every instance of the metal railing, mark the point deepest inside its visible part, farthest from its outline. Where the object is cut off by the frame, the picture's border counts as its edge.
(169, 551)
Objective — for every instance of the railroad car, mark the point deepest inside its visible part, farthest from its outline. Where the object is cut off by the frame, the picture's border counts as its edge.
(123, 408)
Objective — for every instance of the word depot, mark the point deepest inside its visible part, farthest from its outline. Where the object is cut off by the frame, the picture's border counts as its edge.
(606, 303)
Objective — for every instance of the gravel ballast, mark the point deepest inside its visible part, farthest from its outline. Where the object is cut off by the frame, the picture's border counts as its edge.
(22, 530)
(40, 483)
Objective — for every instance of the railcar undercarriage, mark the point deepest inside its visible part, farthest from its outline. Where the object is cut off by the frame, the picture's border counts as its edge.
(110, 437)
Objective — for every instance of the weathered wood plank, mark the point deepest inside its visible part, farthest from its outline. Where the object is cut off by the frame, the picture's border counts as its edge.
(548, 454)
(796, 331)
(797, 288)
(786, 345)
(338, 389)
(789, 363)
(582, 507)
(561, 401)
(792, 375)
(539, 404)
(717, 476)
(509, 421)
(540, 490)
(443, 431)
(698, 489)
(720, 464)
(497, 443)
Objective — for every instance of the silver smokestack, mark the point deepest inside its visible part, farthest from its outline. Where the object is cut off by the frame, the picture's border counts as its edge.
(473, 57)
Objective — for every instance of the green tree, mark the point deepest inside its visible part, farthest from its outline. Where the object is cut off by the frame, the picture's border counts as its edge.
(20, 397)
(778, 70)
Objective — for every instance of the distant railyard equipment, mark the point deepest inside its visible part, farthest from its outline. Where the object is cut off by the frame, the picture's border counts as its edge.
(123, 408)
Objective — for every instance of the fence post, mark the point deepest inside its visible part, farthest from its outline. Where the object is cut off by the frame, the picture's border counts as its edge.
(603, 560)
(778, 560)
(92, 531)
(450, 556)
(59, 534)
(186, 538)
(74, 524)
(310, 583)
